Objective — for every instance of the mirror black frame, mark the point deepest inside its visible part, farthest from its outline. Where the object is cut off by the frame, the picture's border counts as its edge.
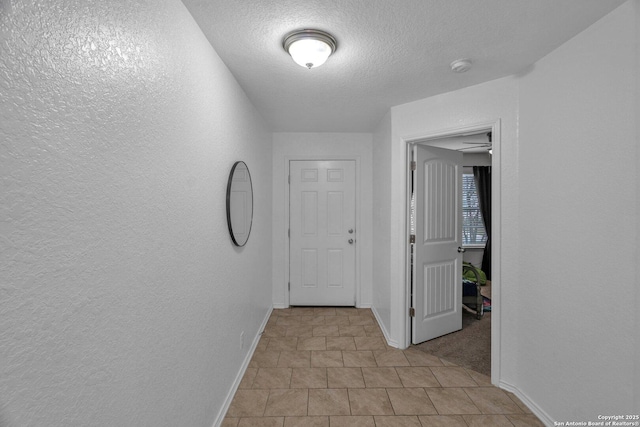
(229, 213)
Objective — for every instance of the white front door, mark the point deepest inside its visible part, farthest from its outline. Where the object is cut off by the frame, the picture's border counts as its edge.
(437, 263)
(322, 232)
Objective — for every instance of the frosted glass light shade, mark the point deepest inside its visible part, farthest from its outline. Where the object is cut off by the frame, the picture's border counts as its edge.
(309, 48)
(309, 53)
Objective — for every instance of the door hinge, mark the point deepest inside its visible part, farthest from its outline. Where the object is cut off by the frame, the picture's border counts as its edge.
(289, 233)
(412, 165)
(289, 286)
(412, 238)
(412, 312)
(289, 179)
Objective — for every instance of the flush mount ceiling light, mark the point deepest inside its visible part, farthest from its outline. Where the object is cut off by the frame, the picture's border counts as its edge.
(461, 65)
(309, 48)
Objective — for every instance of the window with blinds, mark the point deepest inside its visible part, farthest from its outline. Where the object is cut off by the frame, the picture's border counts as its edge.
(473, 232)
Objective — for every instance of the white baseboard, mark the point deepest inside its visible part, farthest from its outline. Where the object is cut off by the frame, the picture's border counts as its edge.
(390, 342)
(280, 306)
(245, 364)
(537, 411)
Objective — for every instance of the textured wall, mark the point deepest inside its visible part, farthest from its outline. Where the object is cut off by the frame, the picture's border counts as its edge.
(578, 171)
(381, 181)
(121, 296)
(636, 381)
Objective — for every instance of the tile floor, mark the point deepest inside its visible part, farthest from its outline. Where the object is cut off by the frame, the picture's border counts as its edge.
(331, 367)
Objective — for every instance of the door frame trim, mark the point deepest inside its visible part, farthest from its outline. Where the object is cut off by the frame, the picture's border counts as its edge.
(496, 232)
(358, 213)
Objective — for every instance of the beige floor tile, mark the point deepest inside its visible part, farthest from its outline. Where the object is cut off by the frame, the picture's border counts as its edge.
(381, 377)
(262, 344)
(361, 320)
(303, 311)
(326, 331)
(341, 343)
(294, 359)
(352, 331)
(410, 401)
(326, 359)
(442, 421)
(365, 312)
(299, 331)
(306, 422)
(336, 320)
(397, 421)
(492, 400)
(519, 402)
(288, 320)
(487, 421)
(480, 379)
(358, 359)
(417, 376)
(370, 343)
(312, 320)
(373, 331)
(346, 311)
(420, 358)
(451, 401)
(272, 378)
(369, 401)
(331, 367)
(287, 402)
(248, 403)
(282, 344)
(264, 359)
(274, 331)
(352, 421)
(453, 376)
(526, 420)
(248, 377)
(309, 378)
(345, 378)
(261, 422)
(324, 311)
(390, 358)
(312, 343)
(329, 401)
(447, 363)
(230, 422)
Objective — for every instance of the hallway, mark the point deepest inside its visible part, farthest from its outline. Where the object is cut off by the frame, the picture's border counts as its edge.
(331, 367)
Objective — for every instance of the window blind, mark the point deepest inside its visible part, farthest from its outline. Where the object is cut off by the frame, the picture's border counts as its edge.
(473, 232)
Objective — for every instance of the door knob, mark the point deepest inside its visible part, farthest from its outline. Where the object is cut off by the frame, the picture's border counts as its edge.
(351, 241)
(461, 250)
(351, 231)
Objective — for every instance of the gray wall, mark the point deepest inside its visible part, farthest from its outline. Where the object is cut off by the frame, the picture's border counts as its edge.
(564, 315)
(122, 296)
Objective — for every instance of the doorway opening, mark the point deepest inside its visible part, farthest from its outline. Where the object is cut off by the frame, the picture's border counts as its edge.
(475, 343)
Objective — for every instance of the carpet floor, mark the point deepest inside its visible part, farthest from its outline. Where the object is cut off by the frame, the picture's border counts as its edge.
(469, 347)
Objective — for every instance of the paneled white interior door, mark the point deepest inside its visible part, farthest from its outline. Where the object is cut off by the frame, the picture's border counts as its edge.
(322, 233)
(437, 263)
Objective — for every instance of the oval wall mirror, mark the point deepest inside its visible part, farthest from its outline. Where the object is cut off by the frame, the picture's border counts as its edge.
(239, 203)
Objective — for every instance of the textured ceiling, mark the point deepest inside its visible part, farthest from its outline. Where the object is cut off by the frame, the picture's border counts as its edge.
(389, 51)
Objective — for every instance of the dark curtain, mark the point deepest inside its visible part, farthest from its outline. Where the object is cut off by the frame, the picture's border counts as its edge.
(482, 176)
